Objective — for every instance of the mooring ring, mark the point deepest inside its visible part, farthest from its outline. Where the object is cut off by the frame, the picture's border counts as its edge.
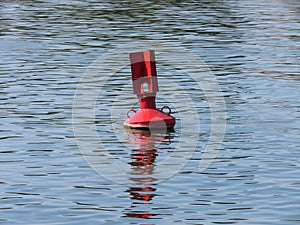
(166, 107)
(130, 110)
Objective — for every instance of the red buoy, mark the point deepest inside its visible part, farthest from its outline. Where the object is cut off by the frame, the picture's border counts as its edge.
(145, 86)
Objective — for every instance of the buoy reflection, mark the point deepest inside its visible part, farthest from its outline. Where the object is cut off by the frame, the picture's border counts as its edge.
(143, 157)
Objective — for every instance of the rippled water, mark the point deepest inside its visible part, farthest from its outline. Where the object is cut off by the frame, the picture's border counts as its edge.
(252, 47)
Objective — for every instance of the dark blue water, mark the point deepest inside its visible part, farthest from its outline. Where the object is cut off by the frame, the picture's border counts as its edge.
(66, 158)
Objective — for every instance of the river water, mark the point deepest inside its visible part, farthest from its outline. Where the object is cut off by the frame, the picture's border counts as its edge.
(58, 169)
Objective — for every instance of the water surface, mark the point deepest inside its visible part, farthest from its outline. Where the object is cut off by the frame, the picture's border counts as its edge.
(250, 46)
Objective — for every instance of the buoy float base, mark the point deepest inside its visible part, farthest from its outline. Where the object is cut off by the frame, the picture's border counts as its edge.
(154, 118)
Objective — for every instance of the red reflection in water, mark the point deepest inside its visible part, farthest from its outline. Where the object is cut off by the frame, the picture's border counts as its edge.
(143, 158)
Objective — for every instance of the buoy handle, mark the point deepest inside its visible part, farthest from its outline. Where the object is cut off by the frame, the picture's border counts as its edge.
(130, 110)
(166, 107)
